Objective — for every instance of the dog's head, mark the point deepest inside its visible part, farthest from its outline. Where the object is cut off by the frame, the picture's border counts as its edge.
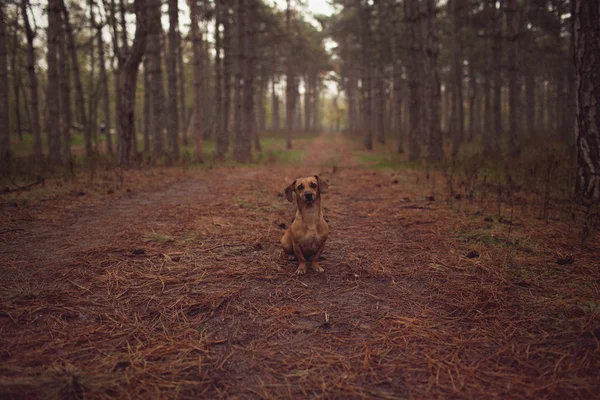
(307, 189)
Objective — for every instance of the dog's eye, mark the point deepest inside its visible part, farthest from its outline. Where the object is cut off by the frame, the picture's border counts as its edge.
(300, 187)
(313, 185)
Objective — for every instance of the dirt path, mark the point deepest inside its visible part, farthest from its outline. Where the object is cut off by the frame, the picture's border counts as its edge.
(184, 292)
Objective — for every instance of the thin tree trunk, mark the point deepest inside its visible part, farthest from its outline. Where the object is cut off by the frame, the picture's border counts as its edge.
(220, 133)
(52, 88)
(366, 35)
(105, 96)
(173, 126)
(16, 71)
(587, 127)
(472, 104)
(198, 113)
(274, 107)
(290, 80)
(5, 150)
(242, 150)
(497, 74)
(411, 17)
(514, 135)
(147, 107)
(153, 51)
(65, 96)
(130, 68)
(227, 57)
(457, 70)
(33, 91)
(181, 82)
(78, 86)
(530, 106)
(436, 149)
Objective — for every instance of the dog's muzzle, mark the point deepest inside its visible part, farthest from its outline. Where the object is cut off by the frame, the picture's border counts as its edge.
(309, 196)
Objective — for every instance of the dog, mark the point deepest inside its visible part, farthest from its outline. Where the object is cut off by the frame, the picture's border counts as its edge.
(306, 237)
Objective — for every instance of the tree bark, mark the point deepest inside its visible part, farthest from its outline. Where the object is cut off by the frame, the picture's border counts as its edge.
(105, 96)
(220, 133)
(5, 150)
(514, 87)
(65, 94)
(244, 103)
(274, 107)
(367, 75)
(52, 88)
(587, 127)
(153, 51)
(198, 113)
(33, 91)
(181, 82)
(457, 71)
(128, 81)
(411, 16)
(78, 86)
(290, 86)
(16, 75)
(436, 148)
(173, 126)
(227, 57)
(147, 107)
(497, 78)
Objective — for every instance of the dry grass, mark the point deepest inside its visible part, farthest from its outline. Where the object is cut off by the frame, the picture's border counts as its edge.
(95, 305)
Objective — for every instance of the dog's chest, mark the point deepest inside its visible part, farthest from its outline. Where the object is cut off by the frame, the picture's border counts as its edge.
(312, 239)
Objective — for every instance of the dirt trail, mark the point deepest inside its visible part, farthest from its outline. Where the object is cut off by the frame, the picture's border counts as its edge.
(184, 292)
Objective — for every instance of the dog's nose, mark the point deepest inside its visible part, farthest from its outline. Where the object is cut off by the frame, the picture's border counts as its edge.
(308, 196)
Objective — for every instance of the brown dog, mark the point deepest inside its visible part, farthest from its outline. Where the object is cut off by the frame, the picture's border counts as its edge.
(306, 237)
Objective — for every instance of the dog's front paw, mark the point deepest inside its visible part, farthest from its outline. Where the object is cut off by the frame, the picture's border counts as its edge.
(301, 269)
(317, 267)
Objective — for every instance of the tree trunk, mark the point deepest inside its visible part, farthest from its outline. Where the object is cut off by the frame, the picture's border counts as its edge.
(274, 107)
(129, 79)
(436, 148)
(16, 72)
(33, 94)
(587, 127)
(531, 100)
(472, 104)
(5, 151)
(78, 86)
(457, 71)
(220, 133)
(290, 85)
(514, 87)
(173, 125)
(65, 95)
(244, 103)
(105, 96)
(198, 113)
(411, 17)
(366, 44)
(181, 82)
(497, 76)
(379, 73)
(52, 88)
(147, 107)
(153, 52)
(227, 57)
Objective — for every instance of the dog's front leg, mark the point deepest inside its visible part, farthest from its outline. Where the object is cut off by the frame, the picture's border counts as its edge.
(315, 263)
(301, 260)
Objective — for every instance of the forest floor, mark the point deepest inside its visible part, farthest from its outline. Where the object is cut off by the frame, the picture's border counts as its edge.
(175, 285)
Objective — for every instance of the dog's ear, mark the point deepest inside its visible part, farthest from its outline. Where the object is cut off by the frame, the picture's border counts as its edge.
(323, 185)
(289, 191)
